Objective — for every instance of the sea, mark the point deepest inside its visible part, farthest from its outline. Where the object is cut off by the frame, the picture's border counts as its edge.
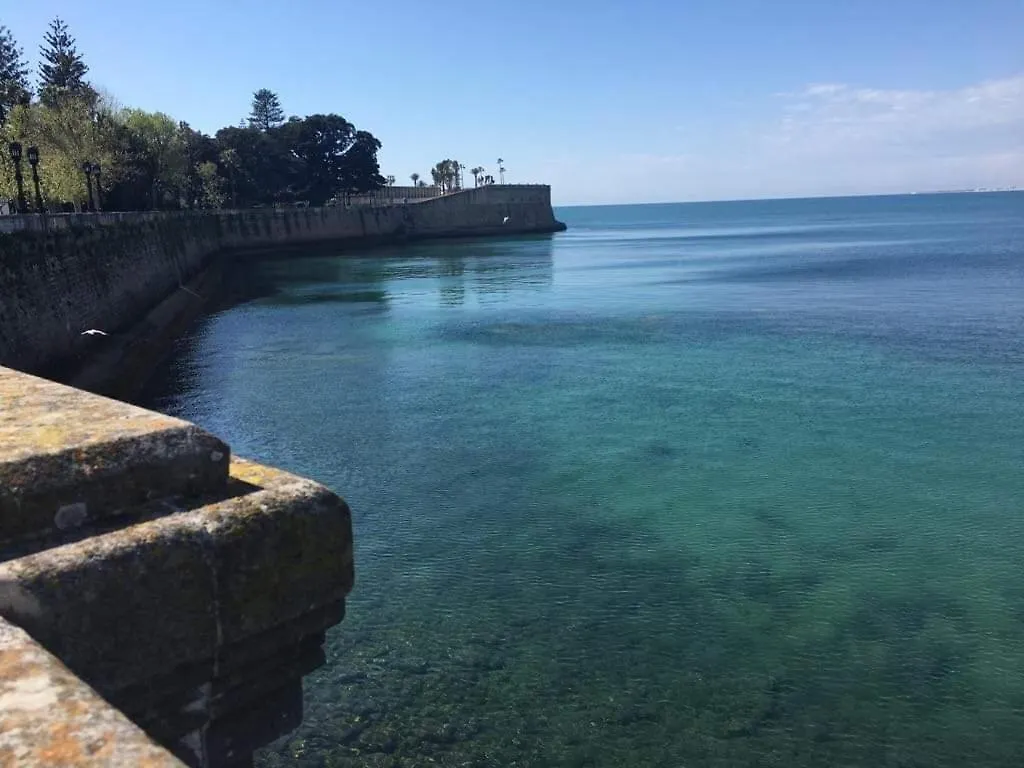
(713, 484)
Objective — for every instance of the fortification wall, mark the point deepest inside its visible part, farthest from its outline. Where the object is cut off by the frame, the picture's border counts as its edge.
(62, 275)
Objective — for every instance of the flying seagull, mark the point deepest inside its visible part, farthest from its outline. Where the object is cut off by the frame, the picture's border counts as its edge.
(505, 220)
(93, 332)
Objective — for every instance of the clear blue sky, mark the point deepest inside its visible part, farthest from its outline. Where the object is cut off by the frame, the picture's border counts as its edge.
(622, 101)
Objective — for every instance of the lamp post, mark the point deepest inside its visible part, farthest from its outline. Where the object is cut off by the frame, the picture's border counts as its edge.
(87, 170)
(14, 148)
(501, 170)
(33, 160)
(99, 192)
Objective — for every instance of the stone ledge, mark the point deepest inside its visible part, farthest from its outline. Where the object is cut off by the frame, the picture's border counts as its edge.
(191, 582)
(48, 717)
(68, 457)
(189, 589)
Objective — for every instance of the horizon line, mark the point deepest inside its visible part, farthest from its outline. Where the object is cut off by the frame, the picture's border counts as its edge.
(980, 191)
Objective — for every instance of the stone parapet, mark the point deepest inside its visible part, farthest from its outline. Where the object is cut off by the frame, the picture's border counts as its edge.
(50, 718)
(189, 588)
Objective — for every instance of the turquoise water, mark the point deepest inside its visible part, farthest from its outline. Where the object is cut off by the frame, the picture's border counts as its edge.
(731, 484)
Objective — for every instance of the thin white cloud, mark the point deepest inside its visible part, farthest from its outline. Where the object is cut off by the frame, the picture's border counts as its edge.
(834, 138)
(839, 118)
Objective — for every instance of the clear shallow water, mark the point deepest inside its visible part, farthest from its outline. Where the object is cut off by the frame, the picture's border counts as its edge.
(732, 484)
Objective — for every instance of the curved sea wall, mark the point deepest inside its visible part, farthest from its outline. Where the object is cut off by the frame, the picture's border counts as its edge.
(161, 599)
(60, 275)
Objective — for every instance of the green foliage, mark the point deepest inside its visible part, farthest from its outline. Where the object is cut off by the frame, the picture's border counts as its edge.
(62, 68)
(446, 175)
(67, 133)
(14, 85)
(163, 155)
(266, 110)
(151, 161)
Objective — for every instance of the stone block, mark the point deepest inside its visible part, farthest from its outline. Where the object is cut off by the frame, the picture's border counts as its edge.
(189, 584)
(189, 589)
(48, 717)
(69, 458)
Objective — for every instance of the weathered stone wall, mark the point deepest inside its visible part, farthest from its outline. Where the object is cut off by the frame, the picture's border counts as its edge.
(61, 276)
(189, 588)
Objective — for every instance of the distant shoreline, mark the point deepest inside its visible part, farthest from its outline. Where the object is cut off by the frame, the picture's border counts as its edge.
(812, 197)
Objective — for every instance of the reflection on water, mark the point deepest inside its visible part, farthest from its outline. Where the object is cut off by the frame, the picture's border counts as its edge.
(609, 515)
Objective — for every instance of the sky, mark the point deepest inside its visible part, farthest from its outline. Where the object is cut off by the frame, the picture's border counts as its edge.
(609, 101)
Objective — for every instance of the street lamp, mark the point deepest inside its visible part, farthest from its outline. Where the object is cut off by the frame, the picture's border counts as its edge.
(33, 160)
(99, 193)
(14, 148)
(87, 170)
(501, 170)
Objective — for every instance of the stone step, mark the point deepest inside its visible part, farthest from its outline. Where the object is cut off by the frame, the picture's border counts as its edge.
(70, 458)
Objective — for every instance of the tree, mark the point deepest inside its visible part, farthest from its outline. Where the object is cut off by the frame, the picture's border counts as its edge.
(14, 85)
(446, 175)
(198, 149)
(150, 160)
(211, 186)
(229, 161)
(266, 110)
(69, 132)
(265, 171)
(319, 143)
(390, 180)
(360, 170)
(62, 68)
(477, 174)
(415, 177)
(161, 137)
(421, 183)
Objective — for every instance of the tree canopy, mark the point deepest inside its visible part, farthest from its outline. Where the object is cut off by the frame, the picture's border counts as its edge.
(266, 110)
(61, 67)
(446, 175)
(14, 85)
(150, 160)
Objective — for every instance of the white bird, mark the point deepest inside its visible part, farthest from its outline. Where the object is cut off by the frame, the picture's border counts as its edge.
(505, 220)
(93, 332)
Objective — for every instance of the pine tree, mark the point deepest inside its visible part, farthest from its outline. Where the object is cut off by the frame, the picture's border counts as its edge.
(61, 66)
(14, 86)
(266, 110)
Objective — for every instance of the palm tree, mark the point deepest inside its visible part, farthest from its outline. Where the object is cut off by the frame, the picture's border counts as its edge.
(390, 180)
(477, 173)
(415, 179)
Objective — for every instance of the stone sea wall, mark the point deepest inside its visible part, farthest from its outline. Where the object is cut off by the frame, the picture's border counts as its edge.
(144, 566)
(62, 275)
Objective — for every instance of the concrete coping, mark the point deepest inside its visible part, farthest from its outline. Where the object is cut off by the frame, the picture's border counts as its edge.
(48, 717)
(68, 457)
